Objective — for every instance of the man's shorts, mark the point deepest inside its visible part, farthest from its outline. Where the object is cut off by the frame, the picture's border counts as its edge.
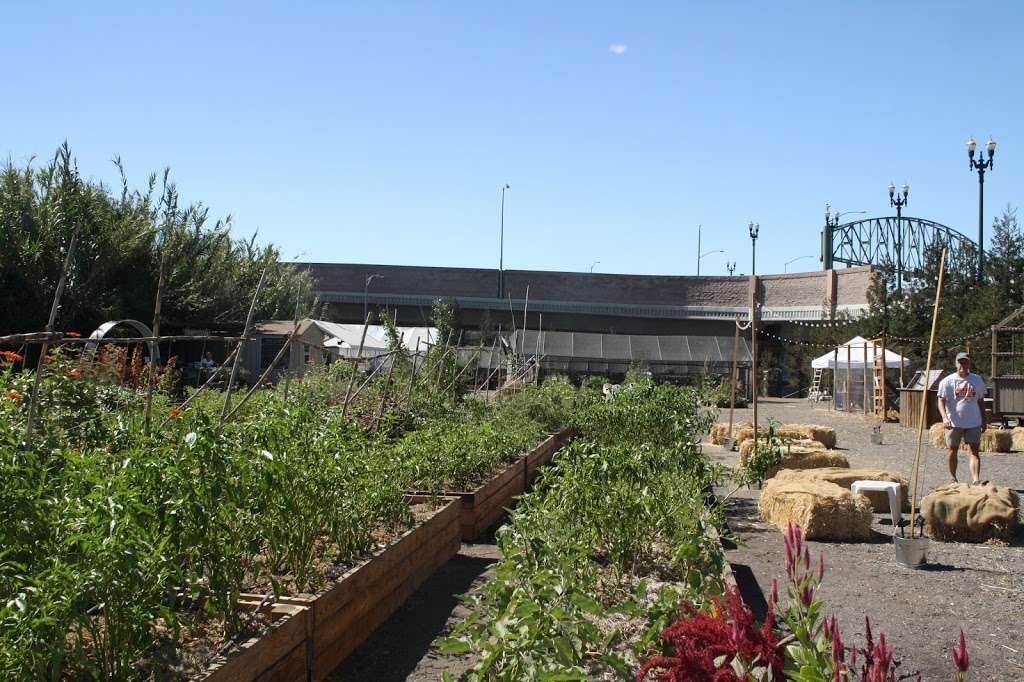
(970, 436)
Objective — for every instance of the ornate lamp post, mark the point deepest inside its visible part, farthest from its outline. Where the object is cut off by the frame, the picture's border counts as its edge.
(981, 165)
(753, 229)
(899, 202)
(731, 267)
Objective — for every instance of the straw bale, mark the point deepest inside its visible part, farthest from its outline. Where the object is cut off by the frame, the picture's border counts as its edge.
(1018, 438)
(721, 431)
(824, 510)
(825, 435)
(992, 440)
(958, 512)
(844, 478)
(747, 446)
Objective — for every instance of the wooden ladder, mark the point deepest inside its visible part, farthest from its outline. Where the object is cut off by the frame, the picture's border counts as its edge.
(878, 372)
(815, 392)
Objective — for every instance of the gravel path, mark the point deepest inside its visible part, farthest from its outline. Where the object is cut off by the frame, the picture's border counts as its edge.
(979, 588)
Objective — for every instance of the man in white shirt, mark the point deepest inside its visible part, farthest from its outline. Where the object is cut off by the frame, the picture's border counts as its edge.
(960, 405)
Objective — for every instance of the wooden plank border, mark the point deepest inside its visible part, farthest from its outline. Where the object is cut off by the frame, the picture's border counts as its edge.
(280, 655)
(345, 615)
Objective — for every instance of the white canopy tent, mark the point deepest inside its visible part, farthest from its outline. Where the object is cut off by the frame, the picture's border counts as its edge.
(851, 355)
(853, 365)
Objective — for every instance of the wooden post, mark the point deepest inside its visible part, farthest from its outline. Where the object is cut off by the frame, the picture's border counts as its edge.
(387, 384)
(835, 378)
(155, 345)
(864, 379)
(288, 376)
(994, 340)
(735, 369)
(885, 391)
(238, 356)
(924, 394)
(846, 392)
(61, 283)
(355, 367)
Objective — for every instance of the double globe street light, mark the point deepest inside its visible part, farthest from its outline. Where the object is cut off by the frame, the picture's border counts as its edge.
(899, 202)
(981, 165)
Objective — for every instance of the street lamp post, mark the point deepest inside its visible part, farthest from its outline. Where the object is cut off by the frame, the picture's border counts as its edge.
(981, 165)
(731, 267)
(831, 223)
(785, 268)
(501, 245)
(899, 202)
(592, 266)
(701, 257)
(754, 229)
(366, 292)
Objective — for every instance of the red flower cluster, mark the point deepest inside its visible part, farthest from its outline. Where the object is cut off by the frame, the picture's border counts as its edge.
(73, 373)
(175, 412)
(11, 356)
(73, 335)
(699, 638)
(13, 395)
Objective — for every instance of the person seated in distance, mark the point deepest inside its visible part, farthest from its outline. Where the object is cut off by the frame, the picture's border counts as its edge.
(960, 397)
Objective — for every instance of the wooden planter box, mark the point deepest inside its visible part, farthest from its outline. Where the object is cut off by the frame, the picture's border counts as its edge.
(345, 615)
(484, 505)
(281, 655)
(543, 453)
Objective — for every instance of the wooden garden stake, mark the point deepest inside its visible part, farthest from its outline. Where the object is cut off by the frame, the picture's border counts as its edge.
(288, 376)
(266, 373)
(735, 369)
(238, 356)
(61, 283)
(753, 355)
(154, 345)
(412, 376)
(355, 366)
(924, 396)
(387, 384)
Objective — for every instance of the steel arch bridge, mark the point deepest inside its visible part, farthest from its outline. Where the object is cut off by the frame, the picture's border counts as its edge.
(895, 242)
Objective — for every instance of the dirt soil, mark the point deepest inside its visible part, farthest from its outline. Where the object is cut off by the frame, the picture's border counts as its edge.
(979, 588)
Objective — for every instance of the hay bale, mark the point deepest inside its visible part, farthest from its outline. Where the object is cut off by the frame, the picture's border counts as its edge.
(825, 435)
(721, 431)
(844, 478)
(747, 447)
(810, 458)
(1017, 436)
(959, 512)
(824, 510)
(992, 440)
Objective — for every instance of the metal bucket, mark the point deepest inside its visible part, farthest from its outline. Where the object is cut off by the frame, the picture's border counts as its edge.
(911, 552)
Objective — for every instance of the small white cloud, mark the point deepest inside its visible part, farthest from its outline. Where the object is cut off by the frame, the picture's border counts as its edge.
(617, 48)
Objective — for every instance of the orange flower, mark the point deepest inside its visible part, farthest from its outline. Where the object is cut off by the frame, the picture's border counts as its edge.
(73, 335)
(175, 412)
(11, 356)
(13, 395)
(73, 373)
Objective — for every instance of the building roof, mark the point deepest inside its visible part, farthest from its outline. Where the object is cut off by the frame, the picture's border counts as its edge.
(631, 348)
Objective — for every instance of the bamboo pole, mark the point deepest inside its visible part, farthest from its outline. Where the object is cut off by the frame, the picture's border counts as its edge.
(412, 376)
(238, 356)
(864, 380)
(372, 374)
(846, 393)
(154, 345)
(924, 394)
(387, 385)
(884, 388)
(61, 283)
(288, 375)
(735, 370)
(355, 367)
(31, 337)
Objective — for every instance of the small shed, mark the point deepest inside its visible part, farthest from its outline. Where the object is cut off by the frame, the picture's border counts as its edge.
(270, 336)
(912, 394)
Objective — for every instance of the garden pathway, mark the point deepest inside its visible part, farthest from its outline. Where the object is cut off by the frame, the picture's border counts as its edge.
(979, 588)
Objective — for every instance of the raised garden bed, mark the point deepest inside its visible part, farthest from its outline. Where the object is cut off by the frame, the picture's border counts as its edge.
(484, 505)
(343, 616)
(282, 653)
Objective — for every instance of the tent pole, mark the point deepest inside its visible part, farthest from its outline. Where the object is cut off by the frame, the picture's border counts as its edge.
(864, 380)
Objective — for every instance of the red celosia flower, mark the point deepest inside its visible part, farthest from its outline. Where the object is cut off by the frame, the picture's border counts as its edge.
(11, 356)
(73, 373)
(13, 395)
(960, 657)
(699, 638)
(175, 412)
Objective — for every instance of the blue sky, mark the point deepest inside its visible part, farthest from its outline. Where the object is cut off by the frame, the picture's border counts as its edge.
(381, 132)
